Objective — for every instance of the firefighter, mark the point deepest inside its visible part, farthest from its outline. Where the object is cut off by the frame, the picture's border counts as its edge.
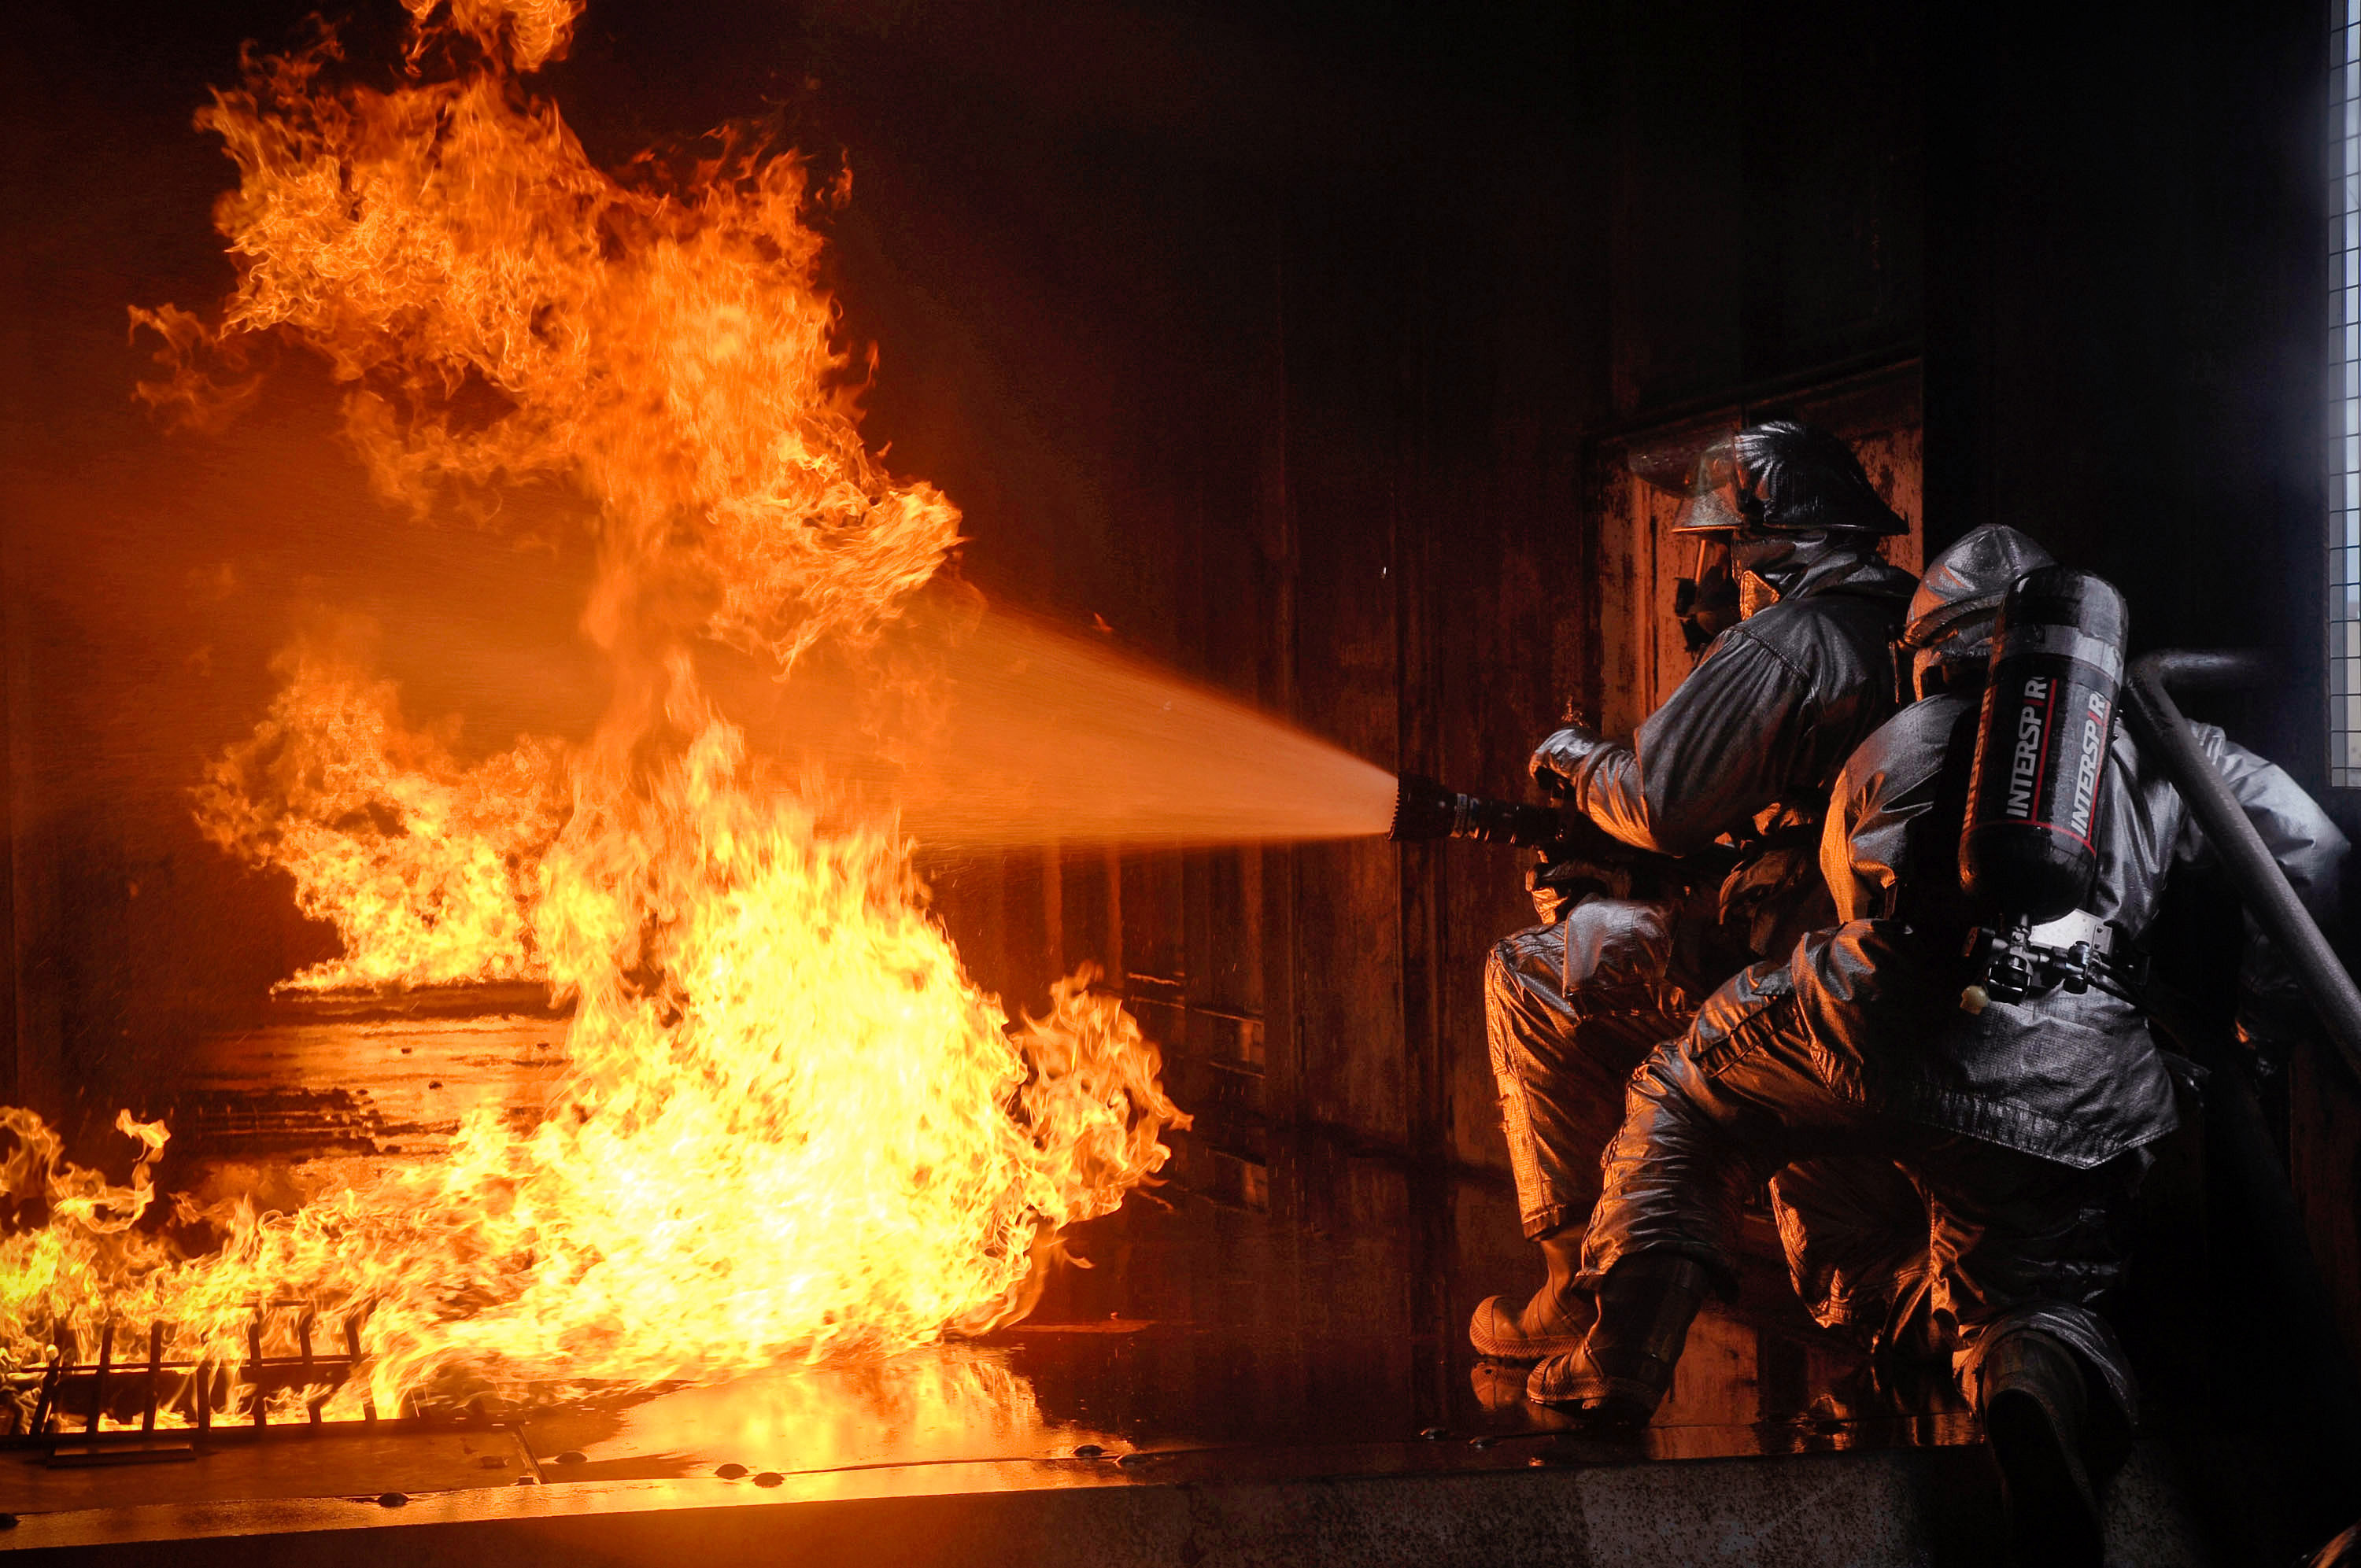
(1744, 750)
(1967, 1175)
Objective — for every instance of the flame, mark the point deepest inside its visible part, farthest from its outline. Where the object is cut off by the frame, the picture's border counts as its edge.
(425, 867)
(499, 311)
(794, 1128)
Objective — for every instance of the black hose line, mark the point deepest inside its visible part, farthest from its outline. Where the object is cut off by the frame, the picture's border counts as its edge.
(2158, 725)
(2295, 1341)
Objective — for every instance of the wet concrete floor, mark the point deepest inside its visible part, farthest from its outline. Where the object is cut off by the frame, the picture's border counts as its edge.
(1202, 1328)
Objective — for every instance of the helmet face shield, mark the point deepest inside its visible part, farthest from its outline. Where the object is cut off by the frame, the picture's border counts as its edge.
(1720, 500)
(1706, 513)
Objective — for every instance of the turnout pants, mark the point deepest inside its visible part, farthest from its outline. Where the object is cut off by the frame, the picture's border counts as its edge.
(1569, 1010)
(1925, 1242)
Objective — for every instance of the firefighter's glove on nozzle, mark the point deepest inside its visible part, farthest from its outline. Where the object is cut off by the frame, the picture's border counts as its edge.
(1556, 885)
(1555, 759)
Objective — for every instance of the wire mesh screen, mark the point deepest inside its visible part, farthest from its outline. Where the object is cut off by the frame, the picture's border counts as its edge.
(2344, 393)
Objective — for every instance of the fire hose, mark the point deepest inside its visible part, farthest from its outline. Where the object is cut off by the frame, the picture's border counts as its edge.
(2157, 725)
(2245, 1153)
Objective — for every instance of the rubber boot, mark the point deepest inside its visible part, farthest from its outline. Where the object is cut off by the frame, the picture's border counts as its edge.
(1552, 1323)
(2035, 1410)
(1623, 1368)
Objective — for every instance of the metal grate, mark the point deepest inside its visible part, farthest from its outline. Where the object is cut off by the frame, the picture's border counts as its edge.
(69, 1394)
(2343, 430)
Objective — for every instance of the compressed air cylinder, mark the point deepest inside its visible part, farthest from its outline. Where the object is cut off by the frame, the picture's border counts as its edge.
(2041, 745)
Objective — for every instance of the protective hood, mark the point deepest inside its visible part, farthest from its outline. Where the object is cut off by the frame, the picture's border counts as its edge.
(1772, 566)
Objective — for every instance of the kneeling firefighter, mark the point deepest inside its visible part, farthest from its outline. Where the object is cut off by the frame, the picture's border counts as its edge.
(1745, 749)
(1962, 1098)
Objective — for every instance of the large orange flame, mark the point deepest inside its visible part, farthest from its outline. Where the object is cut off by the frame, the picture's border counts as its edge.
(426, 867)
(794, 1127)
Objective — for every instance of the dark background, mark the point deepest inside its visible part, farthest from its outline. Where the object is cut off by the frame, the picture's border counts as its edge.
(1285, 338)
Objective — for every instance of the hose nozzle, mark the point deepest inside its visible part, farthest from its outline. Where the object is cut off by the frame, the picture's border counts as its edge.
(1424, 811)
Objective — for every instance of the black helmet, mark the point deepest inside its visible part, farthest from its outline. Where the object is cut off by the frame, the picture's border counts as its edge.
(1784, 477)
(1951, 614)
